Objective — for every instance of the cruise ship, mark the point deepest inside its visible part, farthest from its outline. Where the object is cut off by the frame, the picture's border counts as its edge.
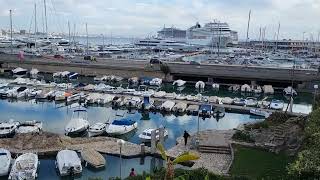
(212, 34)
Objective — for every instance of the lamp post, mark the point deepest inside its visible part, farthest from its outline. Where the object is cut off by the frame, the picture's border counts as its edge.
(120, 143)
(315, 93)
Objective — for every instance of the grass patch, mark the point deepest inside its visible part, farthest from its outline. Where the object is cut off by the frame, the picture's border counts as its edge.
(259, 164)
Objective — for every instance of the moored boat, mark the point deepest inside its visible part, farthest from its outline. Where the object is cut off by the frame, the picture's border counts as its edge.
(122, 126)
(5, 162)
(68, 163)
(25, 167)
(145, 136)
(78, 123)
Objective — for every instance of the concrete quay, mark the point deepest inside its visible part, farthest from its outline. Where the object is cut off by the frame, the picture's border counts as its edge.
(48, 144)
(129, 68)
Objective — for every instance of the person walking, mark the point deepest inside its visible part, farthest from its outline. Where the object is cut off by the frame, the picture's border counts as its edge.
(132, 173)
(186, 135)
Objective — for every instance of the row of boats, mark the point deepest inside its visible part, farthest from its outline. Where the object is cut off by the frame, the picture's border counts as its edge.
(8, 129)
(25, 166)
(267, 89)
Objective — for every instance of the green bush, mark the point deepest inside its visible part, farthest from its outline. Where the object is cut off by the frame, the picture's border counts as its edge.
(242, 136)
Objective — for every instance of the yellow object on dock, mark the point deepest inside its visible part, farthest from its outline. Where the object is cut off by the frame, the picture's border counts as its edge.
(93, 158)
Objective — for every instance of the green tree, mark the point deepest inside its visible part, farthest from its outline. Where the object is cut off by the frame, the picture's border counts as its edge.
(184, 157)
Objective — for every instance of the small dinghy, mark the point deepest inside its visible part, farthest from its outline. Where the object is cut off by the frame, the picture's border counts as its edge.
(145, 136)
(7, 129)
(122, 126)
(260, 112)
(97, 129)
(5, 162)
(25, 167)
(29, 127)
(78, 123)
(277, 104)
(68, 163)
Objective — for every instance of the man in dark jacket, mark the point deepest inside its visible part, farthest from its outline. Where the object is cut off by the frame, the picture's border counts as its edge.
(186, 135)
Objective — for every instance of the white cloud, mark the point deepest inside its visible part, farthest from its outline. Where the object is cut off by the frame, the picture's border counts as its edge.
(142, 18)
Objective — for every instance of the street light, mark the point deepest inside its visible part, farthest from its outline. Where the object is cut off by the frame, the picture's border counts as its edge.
(120, 143)
(315, 92)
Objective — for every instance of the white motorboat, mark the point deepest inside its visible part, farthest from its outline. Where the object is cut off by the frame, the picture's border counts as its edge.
(59, 96)
(167, 106)
(75, 97)
(260, 112)
(78, 123)
(268, 89)
(180, 107)
(239, 101)
(145, 136)
(122, 126)
(256, 89)
(227, 100)
(156, 82)
(251, 101)
(171, 95)
(5, 162)
(25, 167)
(215, 86)
(190, 98)
(179, 83)
(289, 91)
(277, 104)
(13, 92)
(19, 72)
(245, 88)
(181, 97)
(198, 97)
(68, 163)
(159, 94)
(97, 129)
(234, 88)
(214, 99)
(118, 101)
(200, 85)
(93, 98)
(146, 104)
(193, 109)
(129, 91)
(106, 98)
(29, 127)
(8, 129)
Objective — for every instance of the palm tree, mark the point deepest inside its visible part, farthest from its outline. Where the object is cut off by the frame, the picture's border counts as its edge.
(184, 157)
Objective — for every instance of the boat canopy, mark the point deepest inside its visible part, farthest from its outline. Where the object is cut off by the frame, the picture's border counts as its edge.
(125, 122)
(205, 107)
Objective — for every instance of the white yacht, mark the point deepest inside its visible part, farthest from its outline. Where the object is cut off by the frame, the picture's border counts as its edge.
(97, 129)
(7, 129)
(145, 136)
(68, 163)
(122, 126)
(25, 167)
(5, 162)
(78, 123)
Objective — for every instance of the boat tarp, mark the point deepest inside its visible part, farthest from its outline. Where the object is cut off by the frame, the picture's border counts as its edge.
(125, 122)
(146, 100)
(205, 107)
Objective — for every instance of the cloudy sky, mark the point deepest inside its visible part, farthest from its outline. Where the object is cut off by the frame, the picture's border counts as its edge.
(140, 18)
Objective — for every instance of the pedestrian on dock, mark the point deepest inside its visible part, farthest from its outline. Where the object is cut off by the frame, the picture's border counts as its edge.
(132, 173)
(186, 135)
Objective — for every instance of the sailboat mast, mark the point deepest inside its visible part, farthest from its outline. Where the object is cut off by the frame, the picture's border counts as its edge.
(87, 39)
(249, 18)
(69, 36)
(278, 36)
(35, 25)
(11, 45)
(45, 16)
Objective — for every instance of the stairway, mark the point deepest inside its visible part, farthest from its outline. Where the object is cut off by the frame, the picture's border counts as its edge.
(215, 149)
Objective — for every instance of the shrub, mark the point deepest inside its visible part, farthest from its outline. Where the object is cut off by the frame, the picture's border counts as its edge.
(242, 136)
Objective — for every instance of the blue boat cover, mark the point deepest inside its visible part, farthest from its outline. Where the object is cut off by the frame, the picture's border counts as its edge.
(146, 100)
(125, 122)
(205, 107)
(3, 154)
